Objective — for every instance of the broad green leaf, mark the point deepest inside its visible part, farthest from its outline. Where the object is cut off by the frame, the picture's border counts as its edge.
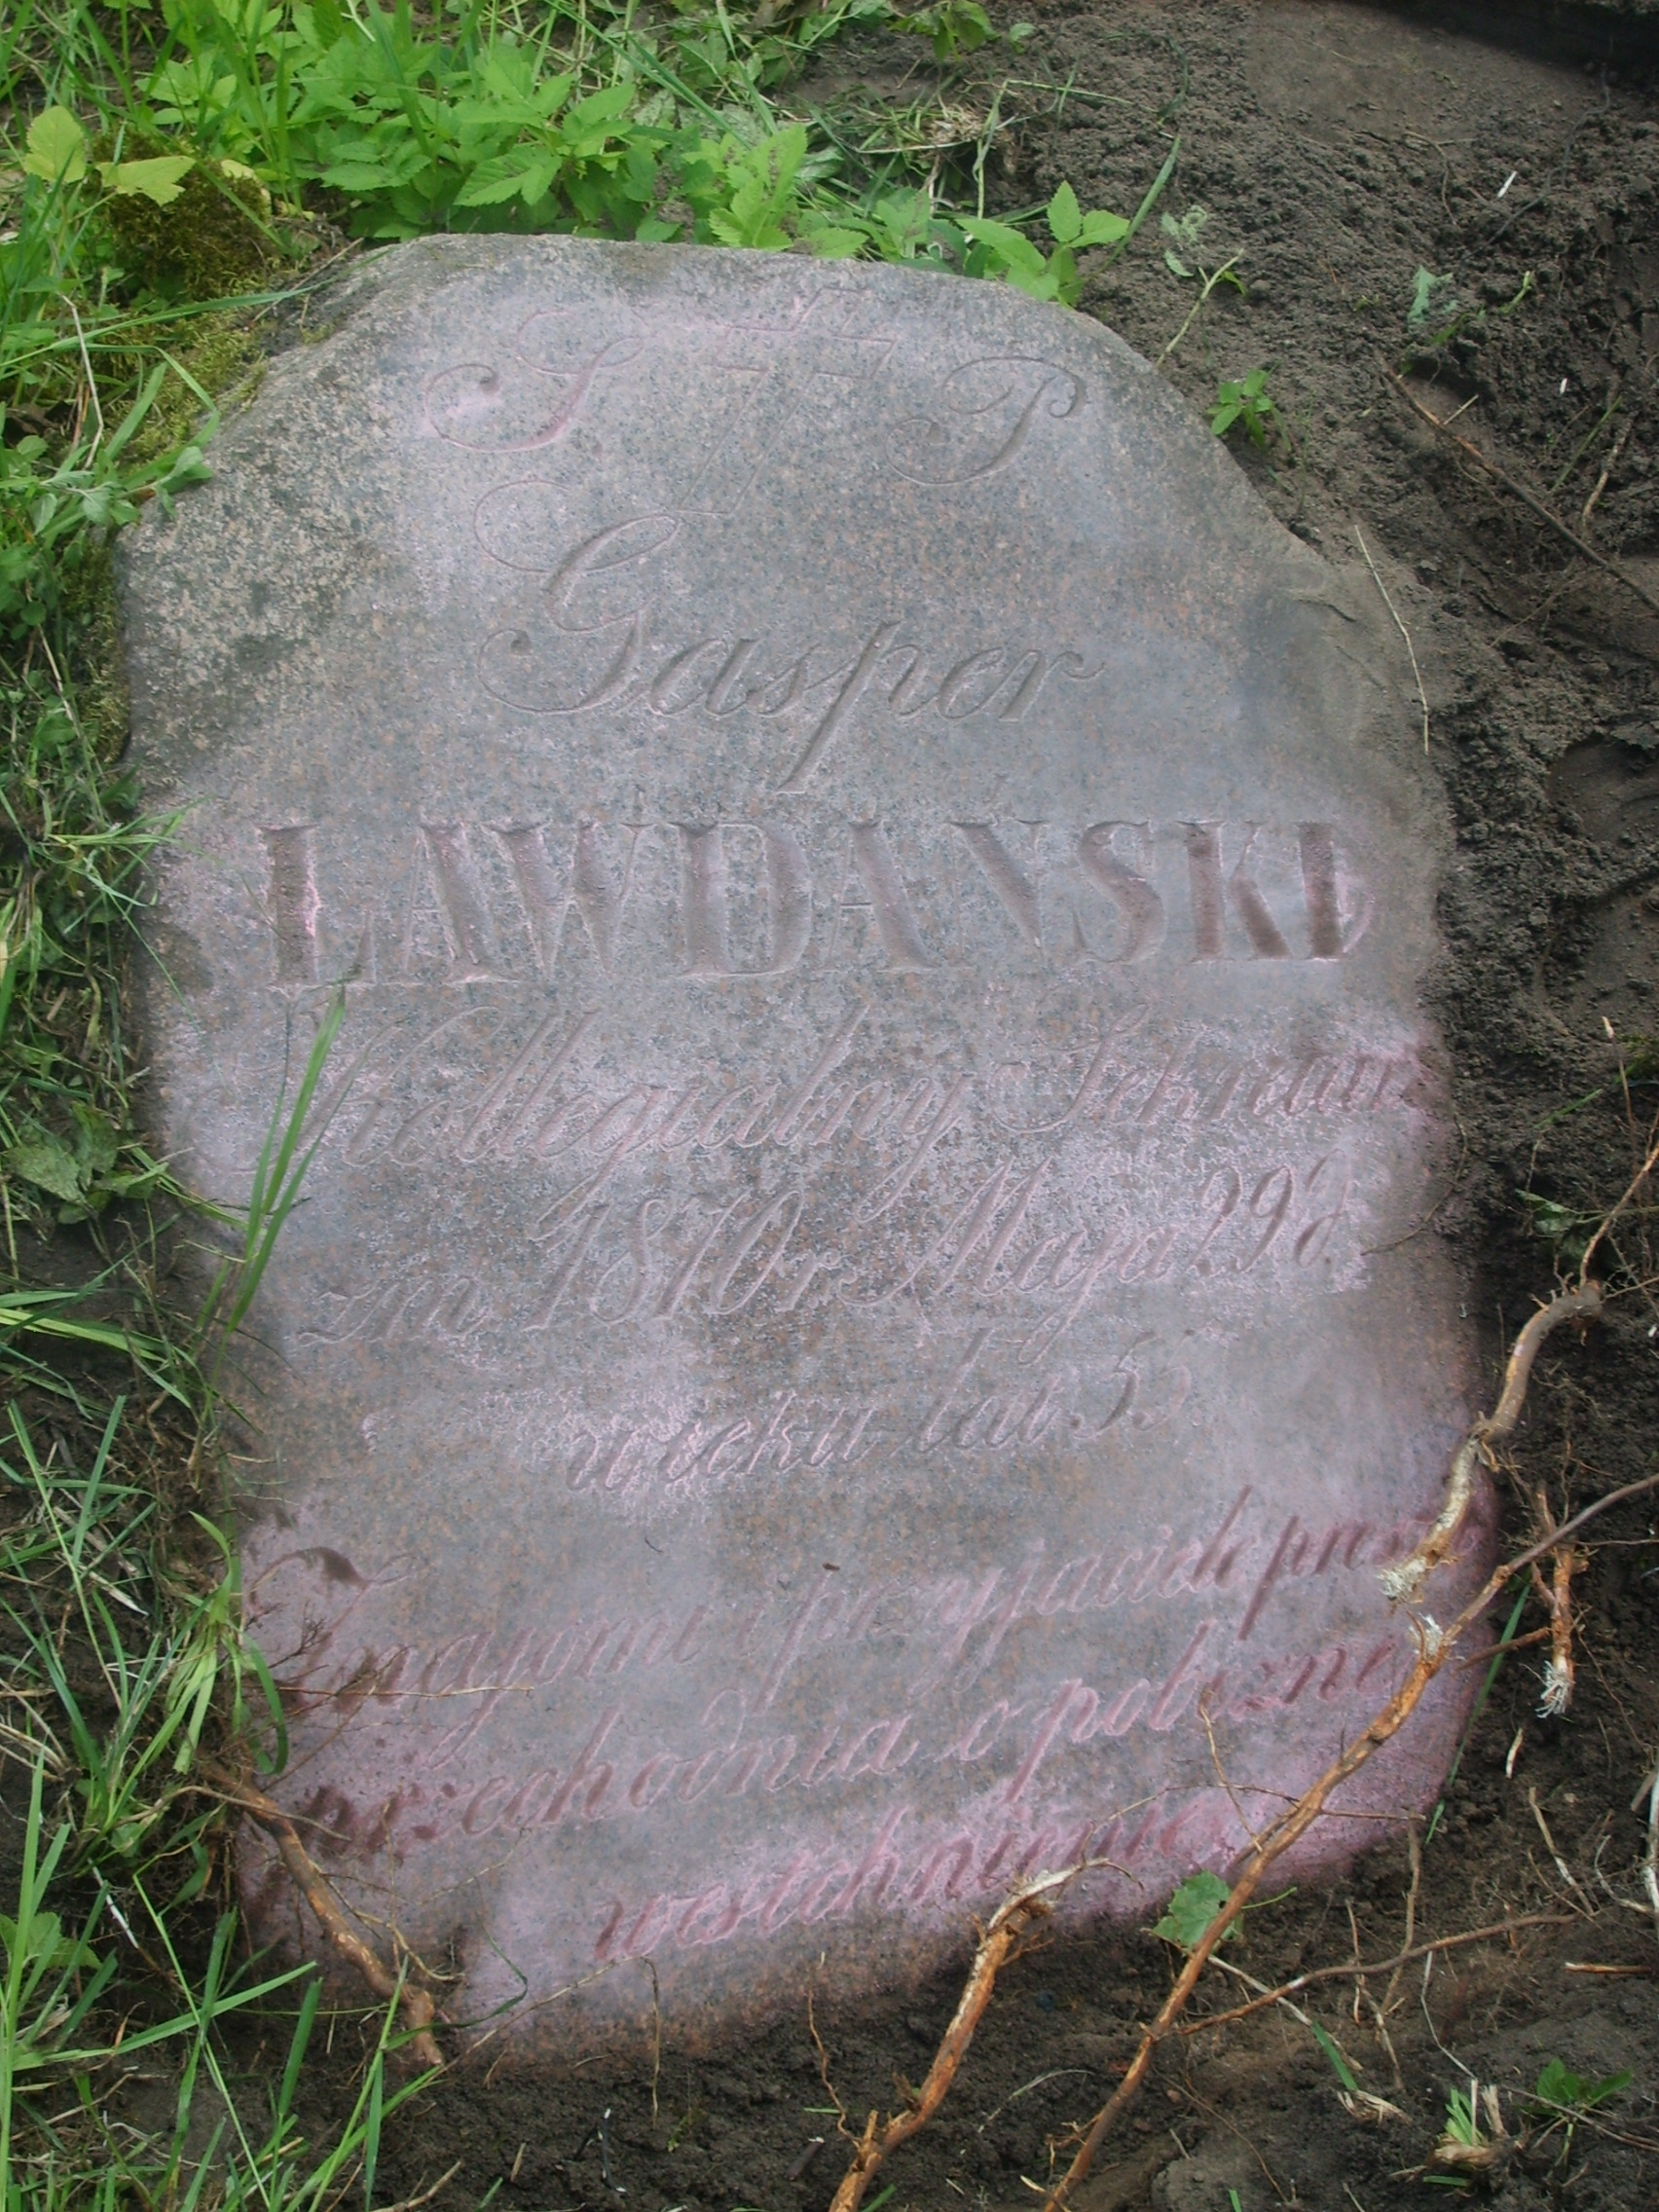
(161, 179)
(1559, 2085)
(538, 178)
(95, 1139)
(601, 108)
(1100, 227)
(1190, 1911)
(835, 245)
(492, 182)
(1014, 249)
(1038, 284)
(1065, 217)
(47, 1164)
(57, 147)
(359, 176)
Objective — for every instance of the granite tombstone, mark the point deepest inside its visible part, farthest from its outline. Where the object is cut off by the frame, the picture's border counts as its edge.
(855, 1328)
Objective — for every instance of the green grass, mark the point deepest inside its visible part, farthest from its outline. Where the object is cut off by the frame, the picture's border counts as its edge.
(170, 175)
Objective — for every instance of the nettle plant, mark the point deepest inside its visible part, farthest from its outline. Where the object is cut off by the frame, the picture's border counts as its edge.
(472, 125)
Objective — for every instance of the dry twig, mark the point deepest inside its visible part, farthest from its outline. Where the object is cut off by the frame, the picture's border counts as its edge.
(1556, 1597)
(1400, 1960)
(1000, 1942)
(414, 2002)
(1413, 1856)
(1580, 1305)
(1650, 1858)
(412, 2203)
(1608, 466)
(1416, 672)
(1527, 499)
(1435, 1645)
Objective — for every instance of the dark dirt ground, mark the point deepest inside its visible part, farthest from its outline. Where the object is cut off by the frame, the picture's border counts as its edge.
(1337, 150)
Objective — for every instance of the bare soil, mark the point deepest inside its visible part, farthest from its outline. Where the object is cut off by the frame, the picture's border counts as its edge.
(1512, 150)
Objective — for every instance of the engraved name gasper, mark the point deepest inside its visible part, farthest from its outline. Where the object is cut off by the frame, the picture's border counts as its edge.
(863, 1313)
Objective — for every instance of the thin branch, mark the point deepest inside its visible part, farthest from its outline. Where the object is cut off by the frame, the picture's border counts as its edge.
(1423, 695)
(1608, 1219)
(1413, 1854)
(1527, 499)
(1289, 1989)
(1580, 1305)
(1608, 466)
(1000, 1940)
(414, 2004)
(1435, 1647)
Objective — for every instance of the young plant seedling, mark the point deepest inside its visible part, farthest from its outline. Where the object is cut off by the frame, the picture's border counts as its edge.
(1434, 302)
(1468, 2154)
(1185, 230)
(1245, 401)
(1181, 260)
(1563, 2098)
(1006, 253)
(1358, 2103)
(955, 26)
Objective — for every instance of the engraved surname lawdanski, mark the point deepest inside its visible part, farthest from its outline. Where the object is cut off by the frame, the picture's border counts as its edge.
(525, 901)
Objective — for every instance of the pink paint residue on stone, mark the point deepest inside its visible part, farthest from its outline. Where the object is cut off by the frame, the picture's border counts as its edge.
(864, 1318)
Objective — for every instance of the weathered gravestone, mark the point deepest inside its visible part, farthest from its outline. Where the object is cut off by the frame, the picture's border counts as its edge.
(855, 1327)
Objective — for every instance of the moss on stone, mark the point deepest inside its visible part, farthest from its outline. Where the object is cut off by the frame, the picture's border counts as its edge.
(213, 240)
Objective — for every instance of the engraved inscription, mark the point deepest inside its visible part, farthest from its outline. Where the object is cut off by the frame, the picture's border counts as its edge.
(856, 1324)
(468, 903)
(985, 412)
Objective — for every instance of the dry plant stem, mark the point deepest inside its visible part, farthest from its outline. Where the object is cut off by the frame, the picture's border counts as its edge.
(416, 2005)
(1608, 466)
(1416, 672)
(1607, 1220)
(1580, 1305)
(411, 2203)
(1413, 1854)
(1527, 499)
(1401, 1958)
(1434, 1647)
(1001, 1940)
(1556, 1597)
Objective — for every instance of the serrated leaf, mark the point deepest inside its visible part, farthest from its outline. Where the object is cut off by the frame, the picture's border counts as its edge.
(501, 179)
(835, 245)
(161, 179)
(600, 110)
(1100, 227)
(57, 147)
(359, 177)
(1188, 1915)
(1013, 246)
(95, 1139)
(47, 1164)
(1065, 217)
